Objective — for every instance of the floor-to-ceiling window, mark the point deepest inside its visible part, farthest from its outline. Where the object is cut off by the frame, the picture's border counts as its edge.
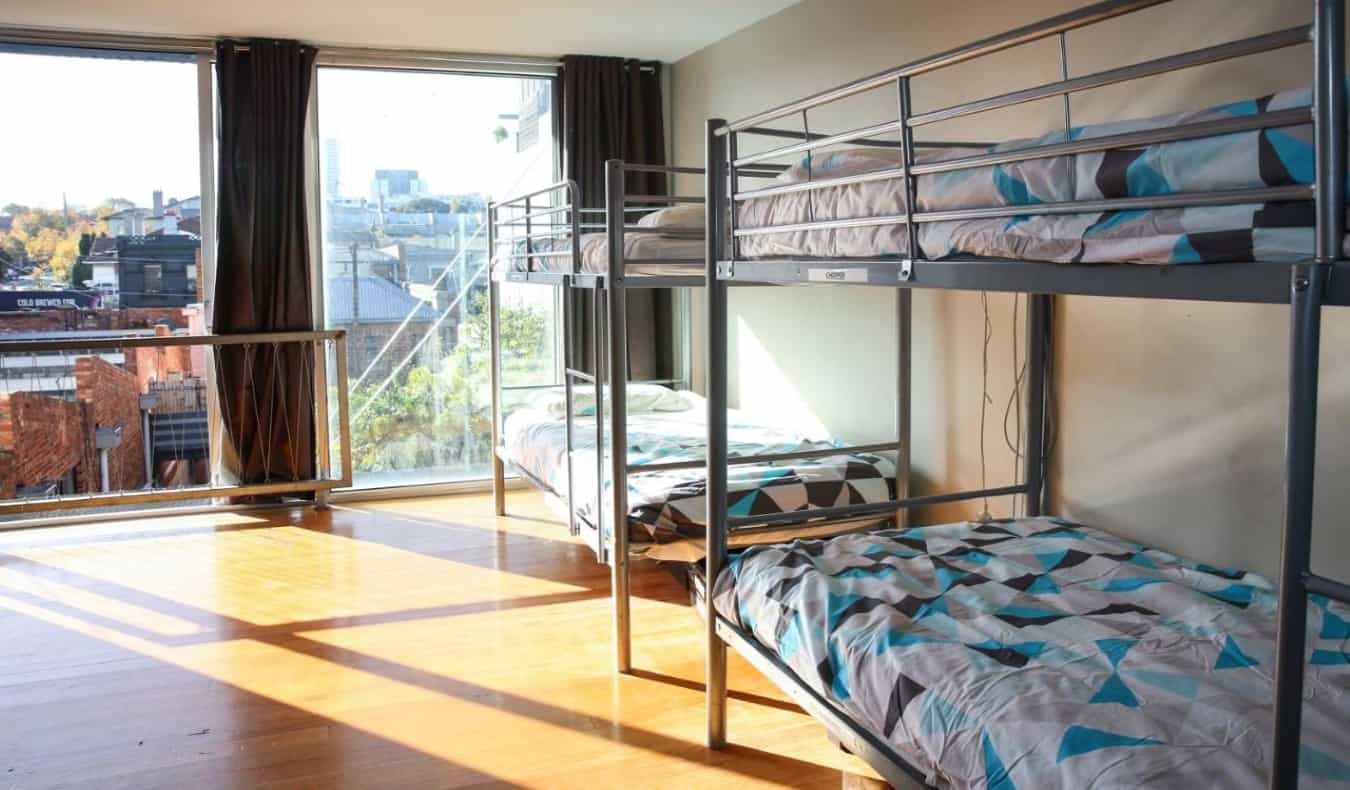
(408, 162)
(103, 227)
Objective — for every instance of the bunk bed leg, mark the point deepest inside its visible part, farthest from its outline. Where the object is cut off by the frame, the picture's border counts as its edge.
(904, 307)
(569, 403)
(598, 320)
(617, 324)
(716, 497)
(618, 412)
(1038, 326)
(494, 366)
(1307, 287)
(1296, 551)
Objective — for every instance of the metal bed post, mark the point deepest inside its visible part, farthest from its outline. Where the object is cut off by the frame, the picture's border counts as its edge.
(569, 400)
(494, 366)
(905, 307)
(618, 411)
(597, 387)
(1307, 287)
(716, 496)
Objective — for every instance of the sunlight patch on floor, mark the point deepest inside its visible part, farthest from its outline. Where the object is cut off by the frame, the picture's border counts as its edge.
(283, 574)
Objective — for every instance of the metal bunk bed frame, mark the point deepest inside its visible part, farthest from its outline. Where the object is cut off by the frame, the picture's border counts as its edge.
(567, 220)
(611, 352)
(1305, 286)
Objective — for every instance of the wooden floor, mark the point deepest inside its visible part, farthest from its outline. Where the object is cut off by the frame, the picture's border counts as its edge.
(420, 643)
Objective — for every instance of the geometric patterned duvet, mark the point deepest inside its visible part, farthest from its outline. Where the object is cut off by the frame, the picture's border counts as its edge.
(1275, 232)
(1038, 653)
(669, 506)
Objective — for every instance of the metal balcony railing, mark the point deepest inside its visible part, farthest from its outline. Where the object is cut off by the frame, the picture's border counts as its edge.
(55, 448)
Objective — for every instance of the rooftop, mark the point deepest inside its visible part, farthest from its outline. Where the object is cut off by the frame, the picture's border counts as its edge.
(381, 300)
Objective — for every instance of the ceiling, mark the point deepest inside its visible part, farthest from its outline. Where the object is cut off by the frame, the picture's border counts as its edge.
(650, 29)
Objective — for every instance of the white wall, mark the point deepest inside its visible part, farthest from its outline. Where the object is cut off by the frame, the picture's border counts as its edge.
(1170, 415)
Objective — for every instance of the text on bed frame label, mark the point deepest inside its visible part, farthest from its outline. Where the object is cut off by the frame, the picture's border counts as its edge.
(837, 275)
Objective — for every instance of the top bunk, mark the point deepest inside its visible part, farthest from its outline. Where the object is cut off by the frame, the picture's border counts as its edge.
(1231, 203)
(559, 236)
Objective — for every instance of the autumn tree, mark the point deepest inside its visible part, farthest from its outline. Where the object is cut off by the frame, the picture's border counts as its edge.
(50, 238)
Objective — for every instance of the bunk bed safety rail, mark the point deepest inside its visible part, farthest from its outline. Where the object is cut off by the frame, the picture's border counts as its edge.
(905, 122)
(545, 214)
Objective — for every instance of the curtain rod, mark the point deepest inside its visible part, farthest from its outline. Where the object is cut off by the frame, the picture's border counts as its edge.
(137, 42)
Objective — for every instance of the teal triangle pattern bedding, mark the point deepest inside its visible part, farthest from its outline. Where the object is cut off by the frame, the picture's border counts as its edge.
(1039, 653)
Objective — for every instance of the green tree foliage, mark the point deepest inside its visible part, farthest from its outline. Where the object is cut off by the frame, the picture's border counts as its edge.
(439, 415)
(50, 238)
(420, 205)
(457, 204)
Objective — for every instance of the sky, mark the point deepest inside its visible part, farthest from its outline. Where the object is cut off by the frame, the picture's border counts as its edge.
(437, 124)
(94, 128)
(97, 128)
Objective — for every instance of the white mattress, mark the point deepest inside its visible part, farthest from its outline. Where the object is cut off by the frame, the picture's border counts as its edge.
(648, 254)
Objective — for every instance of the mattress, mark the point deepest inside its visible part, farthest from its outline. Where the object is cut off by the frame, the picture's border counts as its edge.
(670, 506)
(648, 254)
(1042, 653)
(1275, 232)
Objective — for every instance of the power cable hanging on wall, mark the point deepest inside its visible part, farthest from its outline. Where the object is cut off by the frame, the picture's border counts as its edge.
(985, 516)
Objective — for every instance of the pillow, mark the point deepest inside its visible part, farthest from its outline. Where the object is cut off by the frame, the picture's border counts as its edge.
(844, 162)
(686, 215)
(862, 159)
(641, 398)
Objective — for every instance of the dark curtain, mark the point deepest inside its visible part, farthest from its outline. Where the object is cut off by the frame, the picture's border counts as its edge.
(612, 109)
(262, 270)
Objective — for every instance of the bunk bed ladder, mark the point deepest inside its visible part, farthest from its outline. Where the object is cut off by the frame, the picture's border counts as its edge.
(1308, 283)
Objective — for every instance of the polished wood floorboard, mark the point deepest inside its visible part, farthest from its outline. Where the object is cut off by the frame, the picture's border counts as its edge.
(409, 644)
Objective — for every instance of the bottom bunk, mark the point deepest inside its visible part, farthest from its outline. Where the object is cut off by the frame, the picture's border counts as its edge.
(666, 508)
(1036, 653)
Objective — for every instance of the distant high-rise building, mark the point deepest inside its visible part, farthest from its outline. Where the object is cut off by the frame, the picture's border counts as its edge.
(333, 170)
(394, 185)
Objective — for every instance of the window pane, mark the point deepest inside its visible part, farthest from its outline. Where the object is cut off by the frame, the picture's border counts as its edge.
(100, 236)
(409, 162)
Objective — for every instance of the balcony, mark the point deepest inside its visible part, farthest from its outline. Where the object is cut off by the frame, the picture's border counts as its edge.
(94, 422)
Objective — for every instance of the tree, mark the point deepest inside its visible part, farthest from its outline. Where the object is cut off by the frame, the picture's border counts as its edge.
(441, 415)
(51, 239)
(422, 205)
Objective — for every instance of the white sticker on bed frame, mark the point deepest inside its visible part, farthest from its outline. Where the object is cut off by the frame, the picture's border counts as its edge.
(837, 275)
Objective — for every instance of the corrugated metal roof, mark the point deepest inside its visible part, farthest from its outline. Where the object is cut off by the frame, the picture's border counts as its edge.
(381, 300)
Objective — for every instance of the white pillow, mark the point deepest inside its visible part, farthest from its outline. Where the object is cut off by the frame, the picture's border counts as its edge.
(686, 215)
(854, 161)
(641, 398)
(844, 162)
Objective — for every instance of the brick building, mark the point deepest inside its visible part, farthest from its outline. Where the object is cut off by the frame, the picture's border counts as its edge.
(56, 437)
(50, 445)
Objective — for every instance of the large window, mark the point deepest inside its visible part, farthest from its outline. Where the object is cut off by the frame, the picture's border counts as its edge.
(408, 164)
(100, 236)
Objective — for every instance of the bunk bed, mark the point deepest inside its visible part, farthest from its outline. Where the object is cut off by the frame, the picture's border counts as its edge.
(551, 435)
(1036, 651)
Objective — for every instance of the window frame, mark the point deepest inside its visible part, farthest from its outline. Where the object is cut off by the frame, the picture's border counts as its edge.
(416, 62)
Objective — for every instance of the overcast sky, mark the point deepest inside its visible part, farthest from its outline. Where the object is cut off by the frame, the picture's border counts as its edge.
(98, 128)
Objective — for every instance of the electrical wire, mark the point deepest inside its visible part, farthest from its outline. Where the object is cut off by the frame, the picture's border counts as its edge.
(1015, 401)
(985, 401)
